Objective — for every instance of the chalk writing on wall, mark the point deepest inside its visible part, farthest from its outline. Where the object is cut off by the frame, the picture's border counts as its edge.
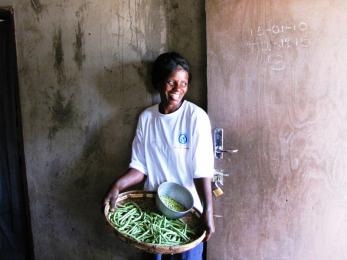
(275, 40)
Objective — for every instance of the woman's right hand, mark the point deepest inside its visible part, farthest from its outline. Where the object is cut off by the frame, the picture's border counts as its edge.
(130, 178)
(111, 197)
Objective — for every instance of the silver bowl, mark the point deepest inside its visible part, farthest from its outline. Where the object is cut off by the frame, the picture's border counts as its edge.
(177, 192)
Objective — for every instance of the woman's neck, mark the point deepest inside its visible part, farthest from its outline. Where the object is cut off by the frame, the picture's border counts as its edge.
(167, 109)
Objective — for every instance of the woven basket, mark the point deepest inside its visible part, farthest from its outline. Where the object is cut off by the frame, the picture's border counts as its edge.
(146, 200)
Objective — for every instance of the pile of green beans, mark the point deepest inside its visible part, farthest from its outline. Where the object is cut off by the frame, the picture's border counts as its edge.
(149, 227)
(172, 204)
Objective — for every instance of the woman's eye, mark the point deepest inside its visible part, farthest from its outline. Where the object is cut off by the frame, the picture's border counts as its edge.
(171, 83)
(184, 84)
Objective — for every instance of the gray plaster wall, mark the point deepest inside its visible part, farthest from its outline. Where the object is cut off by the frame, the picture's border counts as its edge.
(84, 78)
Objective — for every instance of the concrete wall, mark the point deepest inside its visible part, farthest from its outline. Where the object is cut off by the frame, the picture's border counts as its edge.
(83, 78)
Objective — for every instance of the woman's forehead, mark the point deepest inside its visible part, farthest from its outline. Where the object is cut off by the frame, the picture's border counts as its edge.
(179, 72)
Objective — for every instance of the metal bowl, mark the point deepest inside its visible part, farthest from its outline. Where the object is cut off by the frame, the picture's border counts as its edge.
(177, 192)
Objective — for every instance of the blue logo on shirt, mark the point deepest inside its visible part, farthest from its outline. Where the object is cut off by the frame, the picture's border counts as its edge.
(182, 139)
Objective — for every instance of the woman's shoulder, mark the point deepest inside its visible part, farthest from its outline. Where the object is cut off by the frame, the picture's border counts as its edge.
(149, 111)
(194, 109)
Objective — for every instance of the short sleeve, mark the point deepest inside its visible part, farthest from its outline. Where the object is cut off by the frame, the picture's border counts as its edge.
(202, 153)
(138, 160)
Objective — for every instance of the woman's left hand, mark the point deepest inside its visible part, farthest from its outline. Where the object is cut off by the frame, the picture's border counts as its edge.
(209, 224)
(203, 187)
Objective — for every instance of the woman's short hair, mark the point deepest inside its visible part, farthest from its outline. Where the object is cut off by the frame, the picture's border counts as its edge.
(165, 64)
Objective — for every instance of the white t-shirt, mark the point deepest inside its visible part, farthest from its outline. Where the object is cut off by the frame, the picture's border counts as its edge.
(174, 147)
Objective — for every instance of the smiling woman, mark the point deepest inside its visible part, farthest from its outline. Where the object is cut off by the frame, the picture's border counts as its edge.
(173, 143)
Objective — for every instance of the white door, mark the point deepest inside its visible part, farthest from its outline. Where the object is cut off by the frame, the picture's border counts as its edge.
(277, 85)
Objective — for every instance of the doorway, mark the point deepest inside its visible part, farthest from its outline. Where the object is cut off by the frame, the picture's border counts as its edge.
(277, 86)
(15, 232)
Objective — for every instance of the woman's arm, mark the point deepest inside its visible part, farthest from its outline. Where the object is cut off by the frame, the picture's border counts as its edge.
(129, 178)
(203, 187)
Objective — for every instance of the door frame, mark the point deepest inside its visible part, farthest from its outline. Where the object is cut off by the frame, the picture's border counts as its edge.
(26, 240)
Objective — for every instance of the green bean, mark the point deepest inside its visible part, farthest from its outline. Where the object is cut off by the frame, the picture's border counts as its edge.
(149, 227)
(172, 204)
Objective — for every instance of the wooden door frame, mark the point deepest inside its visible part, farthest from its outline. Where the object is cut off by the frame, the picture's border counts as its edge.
(7, 14)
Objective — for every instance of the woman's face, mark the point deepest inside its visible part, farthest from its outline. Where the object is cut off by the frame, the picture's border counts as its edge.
(173, 90)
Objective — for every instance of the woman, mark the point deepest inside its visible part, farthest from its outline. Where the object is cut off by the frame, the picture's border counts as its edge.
(172, 143)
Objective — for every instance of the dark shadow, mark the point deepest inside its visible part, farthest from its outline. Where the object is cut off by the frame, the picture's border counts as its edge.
(15, 228)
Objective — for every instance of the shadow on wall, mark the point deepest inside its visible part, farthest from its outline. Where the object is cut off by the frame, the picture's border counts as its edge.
(126, 85)
(106, 155)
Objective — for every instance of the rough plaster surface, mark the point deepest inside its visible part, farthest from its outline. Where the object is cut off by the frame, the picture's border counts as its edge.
(83, 75)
